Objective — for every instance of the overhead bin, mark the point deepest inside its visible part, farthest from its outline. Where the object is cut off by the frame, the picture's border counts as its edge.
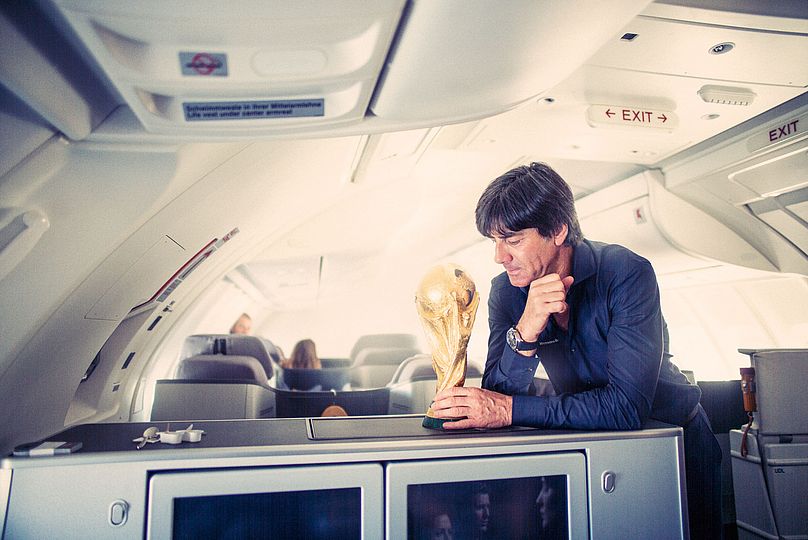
(209, 67)
(215, 69)
(757, 184)
(641, 214)
(459, 60)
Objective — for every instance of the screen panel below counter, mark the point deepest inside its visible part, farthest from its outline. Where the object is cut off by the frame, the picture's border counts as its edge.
(534, 496)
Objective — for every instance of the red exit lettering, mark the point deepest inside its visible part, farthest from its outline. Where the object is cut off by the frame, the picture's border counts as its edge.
(783, 131)
(626, 116)
(630, 115)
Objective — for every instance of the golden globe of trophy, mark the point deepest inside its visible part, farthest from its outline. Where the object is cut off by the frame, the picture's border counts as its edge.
(447, 300)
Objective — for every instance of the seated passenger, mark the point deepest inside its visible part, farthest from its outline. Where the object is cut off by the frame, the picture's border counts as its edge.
(281, 359)
(304, 356)
(243, 325)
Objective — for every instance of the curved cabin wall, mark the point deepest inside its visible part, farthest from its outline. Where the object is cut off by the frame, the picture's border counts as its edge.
(719, 293)
(108, 206)
(642, 215)
(755, 180)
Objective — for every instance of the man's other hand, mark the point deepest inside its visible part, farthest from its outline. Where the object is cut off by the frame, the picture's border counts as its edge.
(481, 408)
(546, 296)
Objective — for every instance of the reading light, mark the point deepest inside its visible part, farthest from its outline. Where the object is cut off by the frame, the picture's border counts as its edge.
(726, 95)
(722, 48)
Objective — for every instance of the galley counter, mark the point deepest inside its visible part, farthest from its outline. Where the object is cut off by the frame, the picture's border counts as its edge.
(614, 484)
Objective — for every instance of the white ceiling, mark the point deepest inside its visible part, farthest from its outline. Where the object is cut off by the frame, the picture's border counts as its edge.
(420, 204)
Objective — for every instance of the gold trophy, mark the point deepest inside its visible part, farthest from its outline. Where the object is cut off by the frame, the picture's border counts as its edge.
(447, 301)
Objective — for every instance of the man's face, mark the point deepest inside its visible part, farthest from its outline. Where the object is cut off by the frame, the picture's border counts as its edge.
(243, 326)
(482, 510)
(526, 255)
(548, 503)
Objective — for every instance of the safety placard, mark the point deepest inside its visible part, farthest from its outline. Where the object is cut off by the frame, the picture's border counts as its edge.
(252, 110)
(203, 64)
(625, 116)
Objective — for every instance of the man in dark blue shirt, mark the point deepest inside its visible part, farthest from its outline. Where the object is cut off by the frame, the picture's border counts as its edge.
(590, 313)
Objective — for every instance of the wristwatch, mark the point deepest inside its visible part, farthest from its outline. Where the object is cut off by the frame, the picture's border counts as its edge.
(516, 342)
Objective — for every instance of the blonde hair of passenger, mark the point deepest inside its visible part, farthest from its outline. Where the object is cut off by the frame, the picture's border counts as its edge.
(243, 325)
(304, 355)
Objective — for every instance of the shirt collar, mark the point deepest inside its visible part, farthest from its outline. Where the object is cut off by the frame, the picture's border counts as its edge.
(583, 264)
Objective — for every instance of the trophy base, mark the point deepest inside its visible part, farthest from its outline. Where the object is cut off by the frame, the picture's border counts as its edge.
(437, 423)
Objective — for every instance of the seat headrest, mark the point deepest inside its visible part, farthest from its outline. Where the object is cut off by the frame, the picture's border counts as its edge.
(221, 367)
(419, 368)
(378, 356)
(229, 344)
(387, 341)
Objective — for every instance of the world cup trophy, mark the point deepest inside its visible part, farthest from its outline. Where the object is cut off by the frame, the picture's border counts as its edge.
(447, 301)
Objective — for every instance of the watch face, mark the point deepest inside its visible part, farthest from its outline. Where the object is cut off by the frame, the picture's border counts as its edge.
(511, 338)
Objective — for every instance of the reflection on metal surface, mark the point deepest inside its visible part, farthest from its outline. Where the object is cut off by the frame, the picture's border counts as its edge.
(447, 301)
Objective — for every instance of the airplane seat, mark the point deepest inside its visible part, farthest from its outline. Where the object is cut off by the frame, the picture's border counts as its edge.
(413, 386)
(373, 367)
(231, 344)
(419, 368)
(723, 403)
(314, 379)
(544, 387)
(292, 404)
(385, 341)
(415, 368)
(272, 349)
(689, 375)
(335, 362)
(221, 368)
(211, 399)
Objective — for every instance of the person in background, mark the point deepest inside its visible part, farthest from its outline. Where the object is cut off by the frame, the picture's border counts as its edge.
(304, 356)
(552, 508)
(243, 325)
(481, 508)
(590, 312)
(440, 527)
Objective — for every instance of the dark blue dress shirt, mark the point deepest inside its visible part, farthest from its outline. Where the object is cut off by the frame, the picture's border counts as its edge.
(611, 368)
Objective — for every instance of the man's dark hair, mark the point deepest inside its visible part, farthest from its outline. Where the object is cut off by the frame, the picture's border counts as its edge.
(528, 197)
(480, 488)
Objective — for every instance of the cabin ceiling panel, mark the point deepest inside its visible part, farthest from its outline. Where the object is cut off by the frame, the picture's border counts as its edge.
(560, 123)
(779, 16)
(686, 49)
(290, 284)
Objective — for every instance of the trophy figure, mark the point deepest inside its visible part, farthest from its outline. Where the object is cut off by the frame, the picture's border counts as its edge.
(447, 300)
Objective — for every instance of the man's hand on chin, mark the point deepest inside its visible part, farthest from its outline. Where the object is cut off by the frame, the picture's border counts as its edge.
(481, 408)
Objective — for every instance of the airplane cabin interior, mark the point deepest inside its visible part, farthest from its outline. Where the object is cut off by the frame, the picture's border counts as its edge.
(169, 168)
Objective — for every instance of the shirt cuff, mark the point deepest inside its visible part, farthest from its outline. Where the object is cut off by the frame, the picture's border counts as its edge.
(519, 369)
(529, 411)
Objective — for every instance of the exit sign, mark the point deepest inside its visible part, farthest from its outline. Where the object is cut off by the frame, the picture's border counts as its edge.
(631, 117)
